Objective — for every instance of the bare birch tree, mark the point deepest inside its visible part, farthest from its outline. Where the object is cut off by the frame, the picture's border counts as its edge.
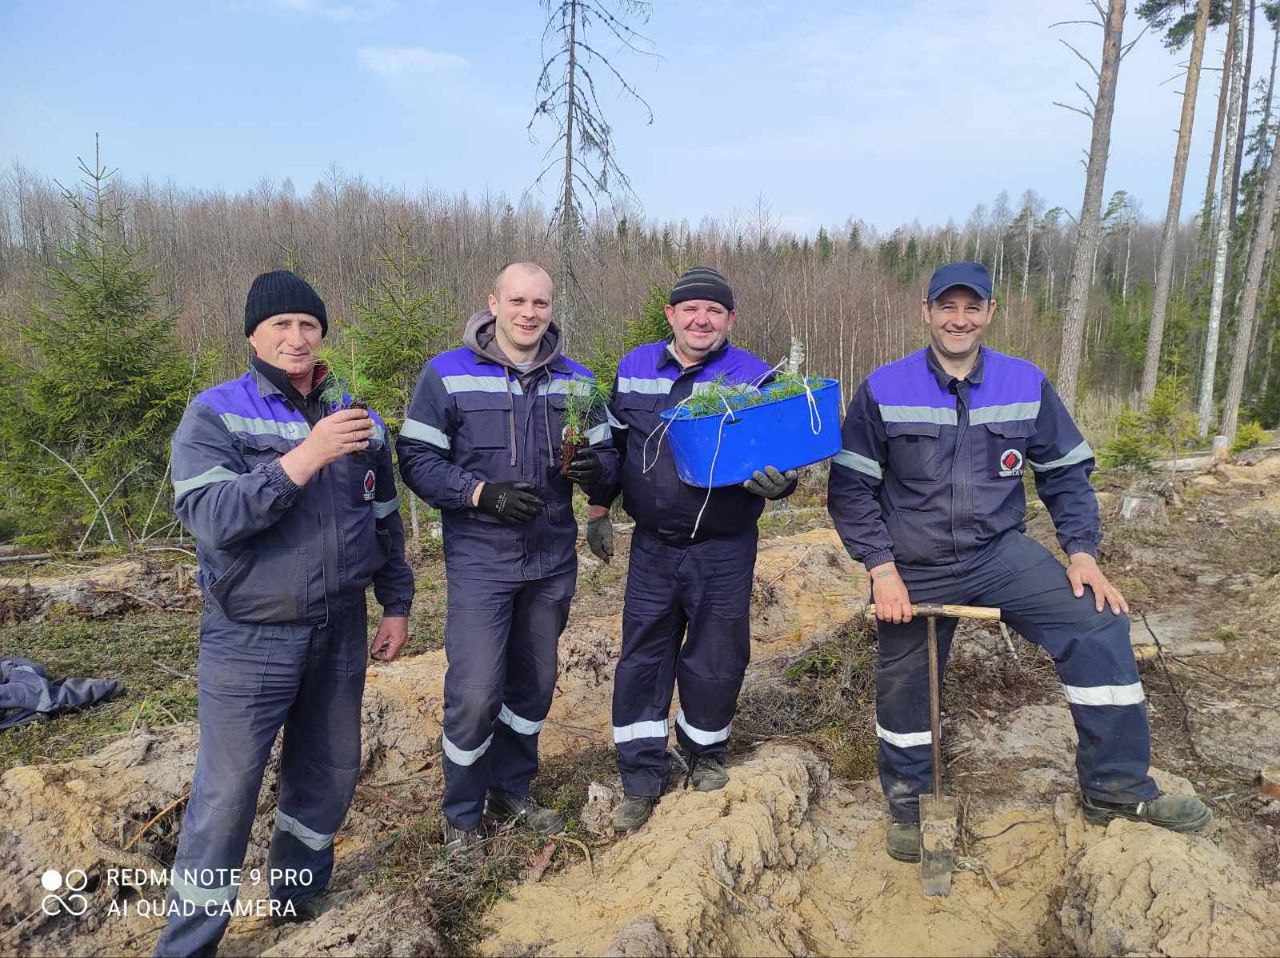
(1169, 238)
(1100, 110)
(583, 147)
(1204, 407)
(1263, 235)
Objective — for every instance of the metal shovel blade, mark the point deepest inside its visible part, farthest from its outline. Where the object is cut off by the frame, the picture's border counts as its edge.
(937, 844)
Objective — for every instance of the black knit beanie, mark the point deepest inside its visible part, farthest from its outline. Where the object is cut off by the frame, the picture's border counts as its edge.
(702, 282)
(282, 292)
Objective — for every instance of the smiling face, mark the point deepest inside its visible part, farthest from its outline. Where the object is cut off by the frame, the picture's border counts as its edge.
(288, 341)
(699, 326)
(521, 304)
(957, 321)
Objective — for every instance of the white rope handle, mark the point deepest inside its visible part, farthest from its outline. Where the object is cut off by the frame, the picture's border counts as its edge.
(711, 474)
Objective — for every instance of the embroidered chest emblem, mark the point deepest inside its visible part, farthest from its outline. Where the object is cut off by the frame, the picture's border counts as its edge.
(1010, 463)
(370, 484)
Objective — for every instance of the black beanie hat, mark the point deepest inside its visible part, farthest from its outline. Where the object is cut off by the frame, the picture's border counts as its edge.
(702, 282)
(282, 292)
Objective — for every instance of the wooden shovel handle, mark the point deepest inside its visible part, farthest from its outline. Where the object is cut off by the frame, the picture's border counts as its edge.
(953, 611)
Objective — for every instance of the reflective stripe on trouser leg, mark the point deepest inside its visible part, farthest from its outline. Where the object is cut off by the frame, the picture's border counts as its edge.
(247, 679)
(477, 630)
(715, 584)
(538, 617)
(1094, 659)
(320, 758)
(902, 711)
(653, 623)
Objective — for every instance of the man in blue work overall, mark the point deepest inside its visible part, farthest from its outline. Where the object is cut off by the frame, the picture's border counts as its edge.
(928, 494)
(482, 442)
(692, 557)
(294, 511)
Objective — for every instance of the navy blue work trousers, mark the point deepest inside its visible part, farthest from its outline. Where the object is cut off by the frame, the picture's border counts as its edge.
(253, 680)
(1090, 650)
(685, 622)
(500, 642)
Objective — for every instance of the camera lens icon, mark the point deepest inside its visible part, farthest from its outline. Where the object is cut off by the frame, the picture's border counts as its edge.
(74, 903)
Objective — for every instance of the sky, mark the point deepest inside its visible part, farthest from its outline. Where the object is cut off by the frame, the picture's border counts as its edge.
(888, 111)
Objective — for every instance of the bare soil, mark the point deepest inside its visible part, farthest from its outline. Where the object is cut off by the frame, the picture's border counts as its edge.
(788, 859)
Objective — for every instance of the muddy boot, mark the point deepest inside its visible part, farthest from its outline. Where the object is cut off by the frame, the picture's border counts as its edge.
(1178, 813)
(633, 812)
(459, 841)
(903, 841)
(708, 774)
(526, 813)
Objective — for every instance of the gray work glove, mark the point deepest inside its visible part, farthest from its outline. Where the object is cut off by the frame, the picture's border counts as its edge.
(600, 537)
(771, 483)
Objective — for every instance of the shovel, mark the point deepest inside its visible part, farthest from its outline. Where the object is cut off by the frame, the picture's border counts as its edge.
(938, 812)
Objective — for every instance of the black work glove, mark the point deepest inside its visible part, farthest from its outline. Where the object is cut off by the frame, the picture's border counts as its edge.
(512, 502)
(771, 483)
(600, 537)
(585, 469)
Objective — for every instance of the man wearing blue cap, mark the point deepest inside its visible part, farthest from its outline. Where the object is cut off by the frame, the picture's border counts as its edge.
(928, 494)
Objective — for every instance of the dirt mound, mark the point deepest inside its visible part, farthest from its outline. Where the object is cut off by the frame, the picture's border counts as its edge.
(126, 585)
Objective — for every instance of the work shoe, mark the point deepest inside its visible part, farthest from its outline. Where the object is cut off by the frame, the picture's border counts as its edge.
(459, 841)
(1178, 813)
(525, 812)
(302, 911)
(903, 841)
(633, 812)
(707, 773)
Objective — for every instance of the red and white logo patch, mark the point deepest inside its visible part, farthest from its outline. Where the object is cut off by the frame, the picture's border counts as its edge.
(370, 484)
(1010, 463)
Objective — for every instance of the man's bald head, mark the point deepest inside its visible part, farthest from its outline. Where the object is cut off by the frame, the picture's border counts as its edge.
(521, 270)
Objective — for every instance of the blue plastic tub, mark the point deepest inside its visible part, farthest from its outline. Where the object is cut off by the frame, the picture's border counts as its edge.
(778, 434)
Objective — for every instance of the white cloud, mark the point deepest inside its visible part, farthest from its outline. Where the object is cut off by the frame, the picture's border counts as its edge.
(395, 62)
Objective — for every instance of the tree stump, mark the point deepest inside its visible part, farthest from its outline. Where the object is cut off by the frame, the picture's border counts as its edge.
(1138, 506)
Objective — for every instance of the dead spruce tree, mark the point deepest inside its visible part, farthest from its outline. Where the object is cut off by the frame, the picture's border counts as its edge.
(583, 147)
(1099, 110)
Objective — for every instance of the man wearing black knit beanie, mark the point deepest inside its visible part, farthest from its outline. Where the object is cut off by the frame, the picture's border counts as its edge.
(685, 620)
(293, 505)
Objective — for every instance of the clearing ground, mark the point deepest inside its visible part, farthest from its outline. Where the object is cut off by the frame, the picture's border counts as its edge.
(788, 859)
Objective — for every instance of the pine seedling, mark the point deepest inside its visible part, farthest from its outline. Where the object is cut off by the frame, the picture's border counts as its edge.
(584, 407)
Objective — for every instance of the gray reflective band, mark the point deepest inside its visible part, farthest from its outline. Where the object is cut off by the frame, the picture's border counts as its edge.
(599, 433)
(383, 509)
(629, 733)
(1010, 412)
(1104, 694)
(521, 725)
(1079, 454)
(265, 427)
(312, 839)
(698, 735)
(412, 429)
(199, 896)
(944, 417)
(467, 383)
(904, 739)
(859, 463)
(578, 387)
(460, 756)
(653, 387)
(45, 702)
(208, 477)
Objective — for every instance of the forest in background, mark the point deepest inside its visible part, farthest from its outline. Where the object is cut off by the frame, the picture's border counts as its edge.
(120, 299)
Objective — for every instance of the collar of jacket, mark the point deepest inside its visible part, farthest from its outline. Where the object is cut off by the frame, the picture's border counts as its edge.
(272, 379)
(945, 379)
(668, 356)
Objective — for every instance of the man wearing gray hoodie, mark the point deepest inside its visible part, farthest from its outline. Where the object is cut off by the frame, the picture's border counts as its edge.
(482, 442)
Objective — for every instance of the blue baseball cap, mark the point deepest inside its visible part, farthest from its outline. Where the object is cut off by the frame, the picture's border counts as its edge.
(973, 276)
